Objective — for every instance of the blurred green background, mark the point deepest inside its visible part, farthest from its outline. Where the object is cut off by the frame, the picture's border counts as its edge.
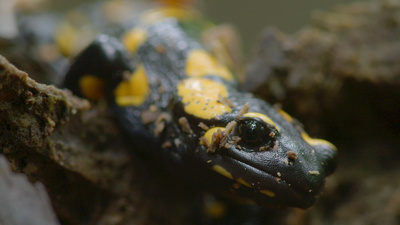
(251, 16)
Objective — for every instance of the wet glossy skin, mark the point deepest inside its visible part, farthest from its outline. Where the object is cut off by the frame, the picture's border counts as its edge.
(170, 97)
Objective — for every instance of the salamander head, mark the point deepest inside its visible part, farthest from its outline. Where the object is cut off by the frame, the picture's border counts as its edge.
(258, 148)
(267, 158)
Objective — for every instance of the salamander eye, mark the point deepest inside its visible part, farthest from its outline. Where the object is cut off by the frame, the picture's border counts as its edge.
(254, 133)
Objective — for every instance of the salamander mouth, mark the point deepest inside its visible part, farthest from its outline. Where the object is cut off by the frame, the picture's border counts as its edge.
(259, 184)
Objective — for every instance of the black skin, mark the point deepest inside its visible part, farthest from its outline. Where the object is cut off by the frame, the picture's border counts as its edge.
(295, 186)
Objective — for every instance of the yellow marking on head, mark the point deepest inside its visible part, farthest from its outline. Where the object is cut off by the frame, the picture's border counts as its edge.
(200, 63)
(180, 13)
(208, 134)
(92, 87)
(240, 180)
(314, 141)
(133, 92)
(268, 192)
(285, 116)
(262, 117)
(201, 97)
(134, 38)
(219, 169)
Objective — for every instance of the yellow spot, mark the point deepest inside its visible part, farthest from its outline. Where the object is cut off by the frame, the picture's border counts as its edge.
(208, 134)
(92, 87)
(222, 171)
(71, 38)
(285, 116)
(215, 210)
(314, 141)
(262, 117)
(269, 193)
(65, 38)
(240, 180)
(200, 63)
(176, 2)
(201, 97)
(134, 38)
(133, 92)
(180, 13)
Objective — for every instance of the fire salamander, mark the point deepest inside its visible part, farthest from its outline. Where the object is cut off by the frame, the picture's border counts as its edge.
(176, 102)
